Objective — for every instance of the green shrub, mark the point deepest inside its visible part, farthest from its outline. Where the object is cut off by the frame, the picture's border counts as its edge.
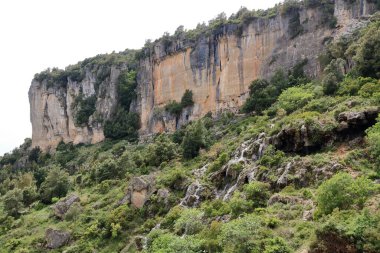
(272, 157)
(187, 99)
(358, 232)
(295, 98)
(29, 195)
(367, 48)
(373, 139)
(56, 184)
(174, 108)
(370, 89)
(239, 204)
(83, 109)
(123, 125)
(351, 86)
(66, 152)
(108, 169)
(258, 192)
(249, 234)
(190, 222)
(162, 150)
(333, 75)
(13, 202)
(173, 179)
(196, 137)
(215, 208)
(343, 192)
(168, 243)
(263, 93)
(218, 163)
(127, 84)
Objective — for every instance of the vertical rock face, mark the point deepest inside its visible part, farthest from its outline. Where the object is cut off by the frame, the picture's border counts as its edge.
(217, 68)
(52, 112)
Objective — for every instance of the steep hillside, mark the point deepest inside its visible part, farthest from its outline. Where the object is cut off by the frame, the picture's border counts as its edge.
(216, 62)
(292, 167)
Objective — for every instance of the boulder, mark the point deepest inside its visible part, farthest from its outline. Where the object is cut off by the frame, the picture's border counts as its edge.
(56, 238)
(139, 191)
(352, 122)
(61, 207)
(277, 198)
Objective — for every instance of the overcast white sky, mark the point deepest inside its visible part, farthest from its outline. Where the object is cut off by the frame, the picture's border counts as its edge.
(38, 34)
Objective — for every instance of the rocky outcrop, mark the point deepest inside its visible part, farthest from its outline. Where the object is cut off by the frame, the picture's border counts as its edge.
(61, 207)
(357, 121)
(218, 68)
(56, 238)
(139, 191)
(52, 109)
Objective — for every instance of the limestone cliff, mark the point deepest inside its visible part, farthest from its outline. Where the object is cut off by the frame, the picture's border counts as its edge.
(216, 67)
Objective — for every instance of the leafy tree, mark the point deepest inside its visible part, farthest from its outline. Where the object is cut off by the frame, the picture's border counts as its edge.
(351, 86)
(34, 154)
(174, 108)
(56, 184)
(258, 192)
(334, 73)
(373, 139)
(187, 99)
(162, 150)
(123, 125)
(196, 137)
(343, 192)
(127, 84)
(190, 222)
(13, 202)
(108, 169)
(261, 96)
(294, 98)
(29, 195)
(367, 49)
(84, 108)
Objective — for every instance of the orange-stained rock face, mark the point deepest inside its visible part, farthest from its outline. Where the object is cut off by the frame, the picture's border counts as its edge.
(220, 69)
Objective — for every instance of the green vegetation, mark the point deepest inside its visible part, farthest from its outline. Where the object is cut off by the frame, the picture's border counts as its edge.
(264, 93)
(123, 125)
(84, 108)
(176, 108)
(343, 192)
(299, 175)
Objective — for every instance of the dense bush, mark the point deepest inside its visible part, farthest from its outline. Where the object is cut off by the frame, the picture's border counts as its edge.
(190, 222)
(176, 108)
(56, 184)
(344, 230)
(83, 109)
(351, 86)
(196, 137)
(123, 125)
(108, 169)
(294, 98)
(367, 49)
(258, 193)
(333, 75)
(162, 150)
(249, 234)
(373, 138)
(343, 192)
(127, 84)
(13, 202)
(264, 93)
